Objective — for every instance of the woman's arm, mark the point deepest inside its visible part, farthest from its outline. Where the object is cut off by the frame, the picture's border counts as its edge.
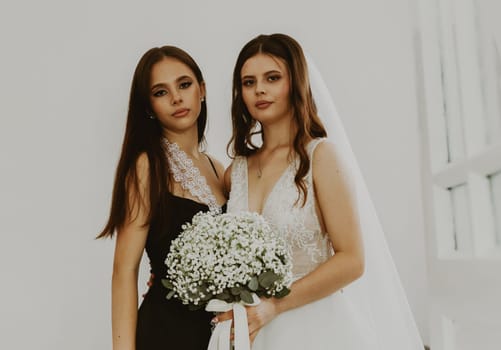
(336, 200)
(130, 242)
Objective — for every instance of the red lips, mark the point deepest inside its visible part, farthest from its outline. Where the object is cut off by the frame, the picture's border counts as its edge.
(262, 104)
(180, 112)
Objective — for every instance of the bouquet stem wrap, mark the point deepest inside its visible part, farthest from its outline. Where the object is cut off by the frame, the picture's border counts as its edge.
(220, 339)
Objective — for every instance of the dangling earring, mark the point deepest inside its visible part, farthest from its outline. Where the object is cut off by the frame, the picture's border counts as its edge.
(151, 117)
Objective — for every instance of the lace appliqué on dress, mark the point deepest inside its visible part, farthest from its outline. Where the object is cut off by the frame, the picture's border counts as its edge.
(299, 224)
(182, 169)
(238, 200)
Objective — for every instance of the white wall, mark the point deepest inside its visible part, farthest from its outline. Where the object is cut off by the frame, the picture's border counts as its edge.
(65, 74)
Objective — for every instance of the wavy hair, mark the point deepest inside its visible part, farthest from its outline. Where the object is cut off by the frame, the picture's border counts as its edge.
(304, 110)
(144, 135)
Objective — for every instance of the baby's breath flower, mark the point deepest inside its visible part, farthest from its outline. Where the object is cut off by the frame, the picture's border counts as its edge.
(216, 253)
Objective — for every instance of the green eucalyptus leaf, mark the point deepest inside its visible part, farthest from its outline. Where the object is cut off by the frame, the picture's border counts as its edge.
(282, 293)
(266, 279)
(235, 290)
(223, 296)
(246, 296)
(253, 284)
(167, 284)
(170, 294)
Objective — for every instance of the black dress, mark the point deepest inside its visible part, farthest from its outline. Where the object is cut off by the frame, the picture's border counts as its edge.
(168, 324)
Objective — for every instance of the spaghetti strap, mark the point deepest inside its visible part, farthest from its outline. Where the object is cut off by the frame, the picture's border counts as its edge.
(212, 164)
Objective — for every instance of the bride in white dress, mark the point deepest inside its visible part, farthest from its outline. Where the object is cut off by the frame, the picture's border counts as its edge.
(346, 294)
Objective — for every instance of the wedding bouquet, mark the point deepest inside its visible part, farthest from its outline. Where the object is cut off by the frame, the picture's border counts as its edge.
(231, 257)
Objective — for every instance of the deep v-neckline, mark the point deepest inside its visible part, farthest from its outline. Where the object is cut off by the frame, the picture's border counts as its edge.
(270, 193)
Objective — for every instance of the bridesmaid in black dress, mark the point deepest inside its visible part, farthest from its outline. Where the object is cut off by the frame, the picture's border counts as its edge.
(163, 179)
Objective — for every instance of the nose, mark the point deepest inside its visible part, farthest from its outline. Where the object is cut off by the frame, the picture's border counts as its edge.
(176, 98)
(260, 89)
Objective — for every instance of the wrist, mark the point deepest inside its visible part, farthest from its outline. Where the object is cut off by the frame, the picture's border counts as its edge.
(279, 305)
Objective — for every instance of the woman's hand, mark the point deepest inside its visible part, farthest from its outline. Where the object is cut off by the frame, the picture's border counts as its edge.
(257, 316)
(260, 315)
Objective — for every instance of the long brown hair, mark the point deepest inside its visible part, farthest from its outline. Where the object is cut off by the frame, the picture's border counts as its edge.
(304, 110)
(143, 134)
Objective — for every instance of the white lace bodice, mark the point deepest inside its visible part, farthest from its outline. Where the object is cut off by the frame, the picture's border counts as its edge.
(299, 224)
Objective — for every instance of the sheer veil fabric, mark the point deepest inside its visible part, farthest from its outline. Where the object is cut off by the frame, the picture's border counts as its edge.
(378, 294)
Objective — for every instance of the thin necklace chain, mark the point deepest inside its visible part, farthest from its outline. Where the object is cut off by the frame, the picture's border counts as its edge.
(188, 175)
(259, 167)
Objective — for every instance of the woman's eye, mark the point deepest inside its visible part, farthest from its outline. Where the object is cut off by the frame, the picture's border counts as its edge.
(185, 85)
(247, 82)
(274, 77)
(160, 93)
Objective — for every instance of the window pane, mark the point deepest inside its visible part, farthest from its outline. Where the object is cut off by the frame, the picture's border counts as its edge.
(451, 83)
(490, 70)
(461, 219)
(495, 188)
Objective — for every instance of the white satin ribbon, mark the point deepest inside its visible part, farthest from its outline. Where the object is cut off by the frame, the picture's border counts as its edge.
(220, 338)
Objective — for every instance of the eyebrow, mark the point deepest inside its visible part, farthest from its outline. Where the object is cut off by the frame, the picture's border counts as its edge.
(183, 77)
(267, 73)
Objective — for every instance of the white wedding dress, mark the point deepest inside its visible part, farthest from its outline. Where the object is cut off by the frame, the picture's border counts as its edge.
(333, 322)
(371, 312)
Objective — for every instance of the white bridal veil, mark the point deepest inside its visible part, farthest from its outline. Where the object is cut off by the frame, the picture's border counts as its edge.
(378, 293)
